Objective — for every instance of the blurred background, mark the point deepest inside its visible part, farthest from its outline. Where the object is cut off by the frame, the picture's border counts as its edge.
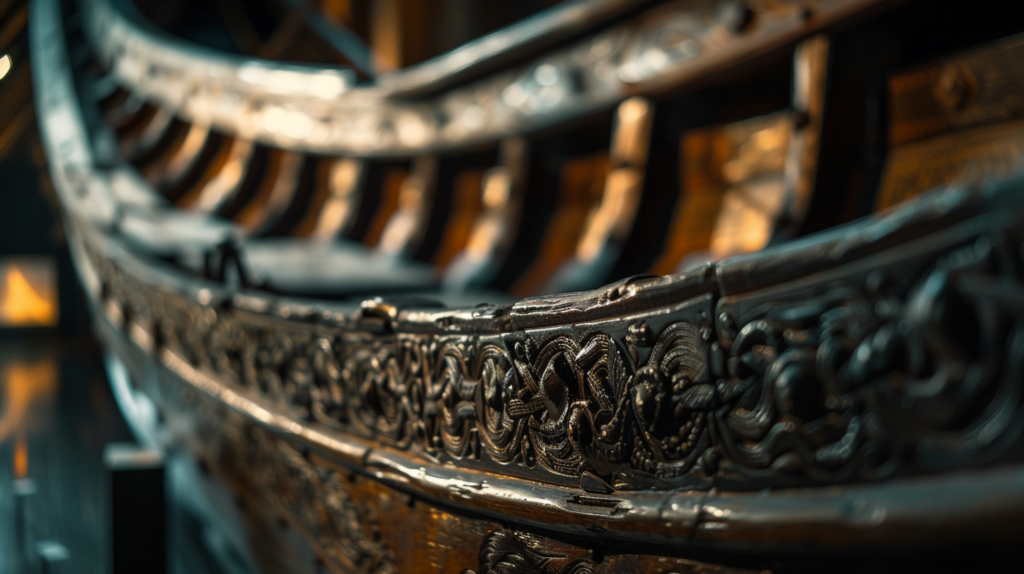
(56, 408)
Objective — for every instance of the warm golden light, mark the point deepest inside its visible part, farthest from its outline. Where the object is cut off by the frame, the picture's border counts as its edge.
(25, 384)
(20, 458)
(25, 302)
(613, 215)
(341, 204)
(5, 65)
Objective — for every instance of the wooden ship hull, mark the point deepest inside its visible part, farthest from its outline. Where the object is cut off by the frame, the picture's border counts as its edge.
(436, 321)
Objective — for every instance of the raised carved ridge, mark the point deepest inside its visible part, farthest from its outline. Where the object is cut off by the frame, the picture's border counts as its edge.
(864, 377)
(914, 366)
(508, 552)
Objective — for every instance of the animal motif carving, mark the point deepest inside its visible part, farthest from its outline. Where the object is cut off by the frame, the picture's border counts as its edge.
(855, 379)
(874, 378)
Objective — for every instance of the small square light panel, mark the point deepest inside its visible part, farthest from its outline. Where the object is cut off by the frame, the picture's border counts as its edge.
(28, 292)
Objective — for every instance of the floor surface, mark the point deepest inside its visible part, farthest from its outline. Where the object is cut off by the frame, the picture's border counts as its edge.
(58, 414)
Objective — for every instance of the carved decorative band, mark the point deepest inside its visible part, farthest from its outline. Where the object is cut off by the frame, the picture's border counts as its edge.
(909, 362)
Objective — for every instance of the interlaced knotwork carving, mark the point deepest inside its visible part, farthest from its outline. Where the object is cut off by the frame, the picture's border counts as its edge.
(853, 379)
(867, 379)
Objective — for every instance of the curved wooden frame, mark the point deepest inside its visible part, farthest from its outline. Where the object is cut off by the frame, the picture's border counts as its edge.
(318, 109)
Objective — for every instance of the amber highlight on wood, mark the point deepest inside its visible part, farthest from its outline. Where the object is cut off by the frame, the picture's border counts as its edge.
(582, 182)
(390, 195)
(956, 121)
(467, 207)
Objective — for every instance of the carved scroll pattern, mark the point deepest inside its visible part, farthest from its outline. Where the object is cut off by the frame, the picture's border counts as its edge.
(508, 552)
(857, 381)
(562, 405)
(869, 379)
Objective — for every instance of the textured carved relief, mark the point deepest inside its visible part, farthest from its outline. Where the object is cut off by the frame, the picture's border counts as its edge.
(869, 379)
(506, 552)
(850, 380)
(513, 552)
(563, 405)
